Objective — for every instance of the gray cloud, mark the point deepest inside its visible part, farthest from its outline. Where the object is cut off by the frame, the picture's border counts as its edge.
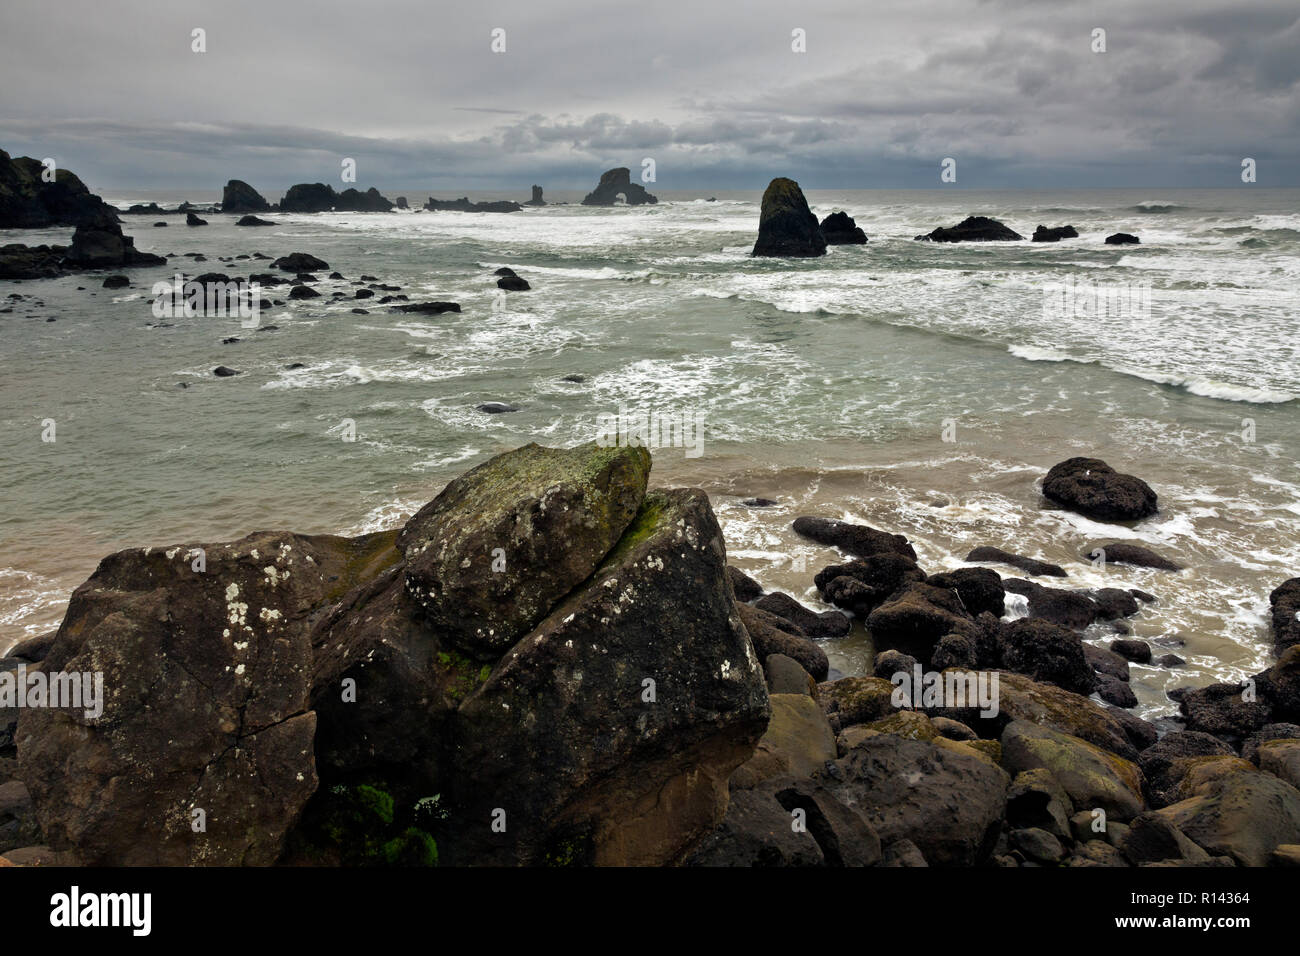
(713, 93)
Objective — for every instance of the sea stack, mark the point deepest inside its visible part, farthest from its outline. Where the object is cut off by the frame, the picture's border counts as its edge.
(238, 196)
(839, 229)
(537, 199)
(786, 226)
(614, 183)
(99, 244)
(1054, 234)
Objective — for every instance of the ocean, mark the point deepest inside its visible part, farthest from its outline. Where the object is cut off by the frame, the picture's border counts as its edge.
(921, 388)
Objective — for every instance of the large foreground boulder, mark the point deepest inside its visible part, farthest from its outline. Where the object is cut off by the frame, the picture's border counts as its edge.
(289, 698)
(786, 226)
(1096, 490)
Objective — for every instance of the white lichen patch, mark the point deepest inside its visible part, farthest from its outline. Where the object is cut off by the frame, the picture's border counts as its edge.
(274, 575)
(269, 614)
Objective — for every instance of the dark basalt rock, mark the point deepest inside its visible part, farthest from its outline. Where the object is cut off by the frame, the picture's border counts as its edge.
(426, 308)
(858, 540)
(513, 284)
(1094, 489)
(812, 623)
(222, 371)
(973, 229)
(839, 229)
(116, 282)
(18, 261)
(1285, 602)
(309, 197)
(193, 220)
(1122, 239)
(743, 586)
(1046, 653)
(497, 408)
(1028, 565)
(27, 201)
(862, 586)
(1056, 234)
(464, 205)
(1072, 609)
(299, 262)
(254, 221)
(99, 244)
(770, 635)
(504, 271)
(537, 199)
(616, 182)
(1123, 552)
(353, 200)
(980, 589)
(786, 226)
(238, 197)
(303, 292)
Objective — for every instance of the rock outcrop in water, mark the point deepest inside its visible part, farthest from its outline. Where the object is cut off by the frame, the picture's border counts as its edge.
(839, 229)
(786, 226)
(464, 205)
(27, 201)
(547, 646)
(1122, 239)
(974, 229)
(1096, 490)
(615, 183)
(239, 197)
(321, 197)
(537, 199)
(1054, 234)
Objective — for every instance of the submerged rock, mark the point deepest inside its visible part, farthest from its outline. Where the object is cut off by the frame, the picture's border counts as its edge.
(1122, 239)
(254, 221)
(858, 540)
(786, 226)
(1033, 566)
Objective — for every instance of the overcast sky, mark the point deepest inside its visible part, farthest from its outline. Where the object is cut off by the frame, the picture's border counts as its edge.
(712, 91)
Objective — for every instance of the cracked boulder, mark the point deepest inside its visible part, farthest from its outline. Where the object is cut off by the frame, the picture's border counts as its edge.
(608, 733)
(493, 553)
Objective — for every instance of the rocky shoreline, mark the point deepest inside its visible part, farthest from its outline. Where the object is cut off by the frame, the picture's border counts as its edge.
(552, 663)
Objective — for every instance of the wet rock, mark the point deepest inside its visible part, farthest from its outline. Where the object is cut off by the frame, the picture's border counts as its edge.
(786, 226)
(1028, 565)
(1107, 662)
(426, 308)
(303, 292)
(1054, 234)
(513, 284)
(917, 617)
(1116, 692)
(855, 539)
(863, 585)
(812, 623)
(299, 262)
(1122, 239)
(974, 229)
(497, 408)
(98, 243)
(1047, 653)
(1072, 609)
(979, 589)
(1224, 711)
(1137, 651)
(857, 700)
(1123, 552)
(253, 221)
(786, 676)
(839, 229)
(116, 282)
(193, 220)
(1285, 605)
(222, 371)
(770, 634)
(1163, 763)
(1094, 489)
(746, 588)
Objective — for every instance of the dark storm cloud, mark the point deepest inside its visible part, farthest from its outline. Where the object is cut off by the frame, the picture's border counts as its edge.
(712, 92)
